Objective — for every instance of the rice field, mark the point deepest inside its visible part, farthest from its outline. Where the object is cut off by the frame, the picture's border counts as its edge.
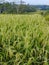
(24, 40)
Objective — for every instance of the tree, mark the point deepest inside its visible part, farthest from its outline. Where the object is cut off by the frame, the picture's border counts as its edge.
(12, 7)
(21, 6)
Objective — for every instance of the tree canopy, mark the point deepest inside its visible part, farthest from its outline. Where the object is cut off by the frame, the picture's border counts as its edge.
(16, 8)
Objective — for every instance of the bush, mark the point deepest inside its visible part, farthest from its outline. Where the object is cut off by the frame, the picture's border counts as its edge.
(47, 17)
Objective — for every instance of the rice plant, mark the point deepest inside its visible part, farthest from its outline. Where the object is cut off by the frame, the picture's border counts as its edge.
(24, 40)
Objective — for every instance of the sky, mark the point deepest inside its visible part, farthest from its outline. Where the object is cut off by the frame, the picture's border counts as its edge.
(33, 2)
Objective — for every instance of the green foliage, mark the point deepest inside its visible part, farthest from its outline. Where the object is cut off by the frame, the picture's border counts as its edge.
(24, 40)
(47, 17)
(15, 8)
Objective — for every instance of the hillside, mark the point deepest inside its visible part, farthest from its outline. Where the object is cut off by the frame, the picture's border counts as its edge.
(42, 7)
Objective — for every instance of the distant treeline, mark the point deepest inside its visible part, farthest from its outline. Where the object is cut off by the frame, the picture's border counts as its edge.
(20, 8)
(16, 8)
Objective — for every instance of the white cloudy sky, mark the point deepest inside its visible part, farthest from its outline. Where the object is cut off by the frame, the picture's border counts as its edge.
(34, 2)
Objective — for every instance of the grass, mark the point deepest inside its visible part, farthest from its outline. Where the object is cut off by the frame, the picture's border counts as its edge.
(24, 40)
(47, 17)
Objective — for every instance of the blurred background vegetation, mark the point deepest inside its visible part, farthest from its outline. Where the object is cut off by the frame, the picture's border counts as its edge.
(21, 7)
